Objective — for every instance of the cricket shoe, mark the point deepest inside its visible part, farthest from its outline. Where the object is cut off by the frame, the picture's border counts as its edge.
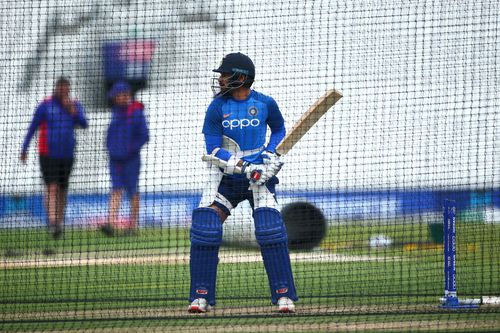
(199, 305)
(56, 231)
(107, 229)
(285, 305)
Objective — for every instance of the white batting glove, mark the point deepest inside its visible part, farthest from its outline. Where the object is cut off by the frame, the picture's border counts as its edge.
(258, 174)
(273, 162)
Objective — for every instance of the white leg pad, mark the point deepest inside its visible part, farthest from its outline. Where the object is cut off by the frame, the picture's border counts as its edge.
(210, 186)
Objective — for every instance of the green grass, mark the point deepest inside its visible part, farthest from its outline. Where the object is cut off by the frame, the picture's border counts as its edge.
(28, 242)
(399, 285)
(420, 323)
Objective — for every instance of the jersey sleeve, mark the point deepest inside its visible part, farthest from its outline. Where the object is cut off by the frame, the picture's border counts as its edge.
(212, 129)
(215, 141)
(276, 123)
(213, 122)
(79, 118)
(38, 117)
(141, 131)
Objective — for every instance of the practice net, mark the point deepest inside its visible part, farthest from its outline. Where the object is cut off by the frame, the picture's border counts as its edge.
(361, 193)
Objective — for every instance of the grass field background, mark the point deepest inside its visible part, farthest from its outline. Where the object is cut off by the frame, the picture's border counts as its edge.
(70, 284)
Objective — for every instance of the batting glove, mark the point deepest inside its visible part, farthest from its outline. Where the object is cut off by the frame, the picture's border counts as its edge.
(273, 162)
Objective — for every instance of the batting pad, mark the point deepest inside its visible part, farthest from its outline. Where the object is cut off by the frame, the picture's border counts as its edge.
(206, 236)
(271, 235)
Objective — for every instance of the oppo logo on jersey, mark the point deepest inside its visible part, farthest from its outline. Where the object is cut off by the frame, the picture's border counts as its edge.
(240, 123)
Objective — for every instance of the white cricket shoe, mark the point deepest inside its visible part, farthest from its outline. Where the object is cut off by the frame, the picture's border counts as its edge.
(285, 305)
(199, 305)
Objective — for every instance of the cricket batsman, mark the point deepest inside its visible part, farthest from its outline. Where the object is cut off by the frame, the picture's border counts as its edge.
(245, 168)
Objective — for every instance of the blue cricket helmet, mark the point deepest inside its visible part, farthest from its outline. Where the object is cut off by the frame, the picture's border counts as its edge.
(234, 64)
(237, 63)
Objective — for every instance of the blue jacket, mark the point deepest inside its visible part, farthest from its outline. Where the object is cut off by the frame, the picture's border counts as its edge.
(127, 132)
(56, 124)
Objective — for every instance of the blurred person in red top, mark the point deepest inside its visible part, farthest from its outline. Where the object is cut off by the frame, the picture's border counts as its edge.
(56, 117)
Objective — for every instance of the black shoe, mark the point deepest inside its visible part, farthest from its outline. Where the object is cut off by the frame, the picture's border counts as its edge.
(107, 229)
(58, 232)
(48, 252)
(55, 231)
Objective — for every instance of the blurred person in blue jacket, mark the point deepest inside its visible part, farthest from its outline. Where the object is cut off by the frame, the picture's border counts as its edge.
(127, 134)
(56, 118)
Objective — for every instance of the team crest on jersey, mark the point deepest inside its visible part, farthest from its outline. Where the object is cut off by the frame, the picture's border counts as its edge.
(253, 111)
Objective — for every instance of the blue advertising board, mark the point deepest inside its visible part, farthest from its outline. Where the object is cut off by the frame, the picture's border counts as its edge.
(174, 208)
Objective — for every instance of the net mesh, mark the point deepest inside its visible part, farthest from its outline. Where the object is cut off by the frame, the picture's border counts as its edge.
(361, 193)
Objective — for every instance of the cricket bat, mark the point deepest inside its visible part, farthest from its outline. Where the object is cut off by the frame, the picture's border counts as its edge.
(308, 119)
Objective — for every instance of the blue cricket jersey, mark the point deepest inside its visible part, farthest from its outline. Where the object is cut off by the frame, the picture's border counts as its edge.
(245, 122)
